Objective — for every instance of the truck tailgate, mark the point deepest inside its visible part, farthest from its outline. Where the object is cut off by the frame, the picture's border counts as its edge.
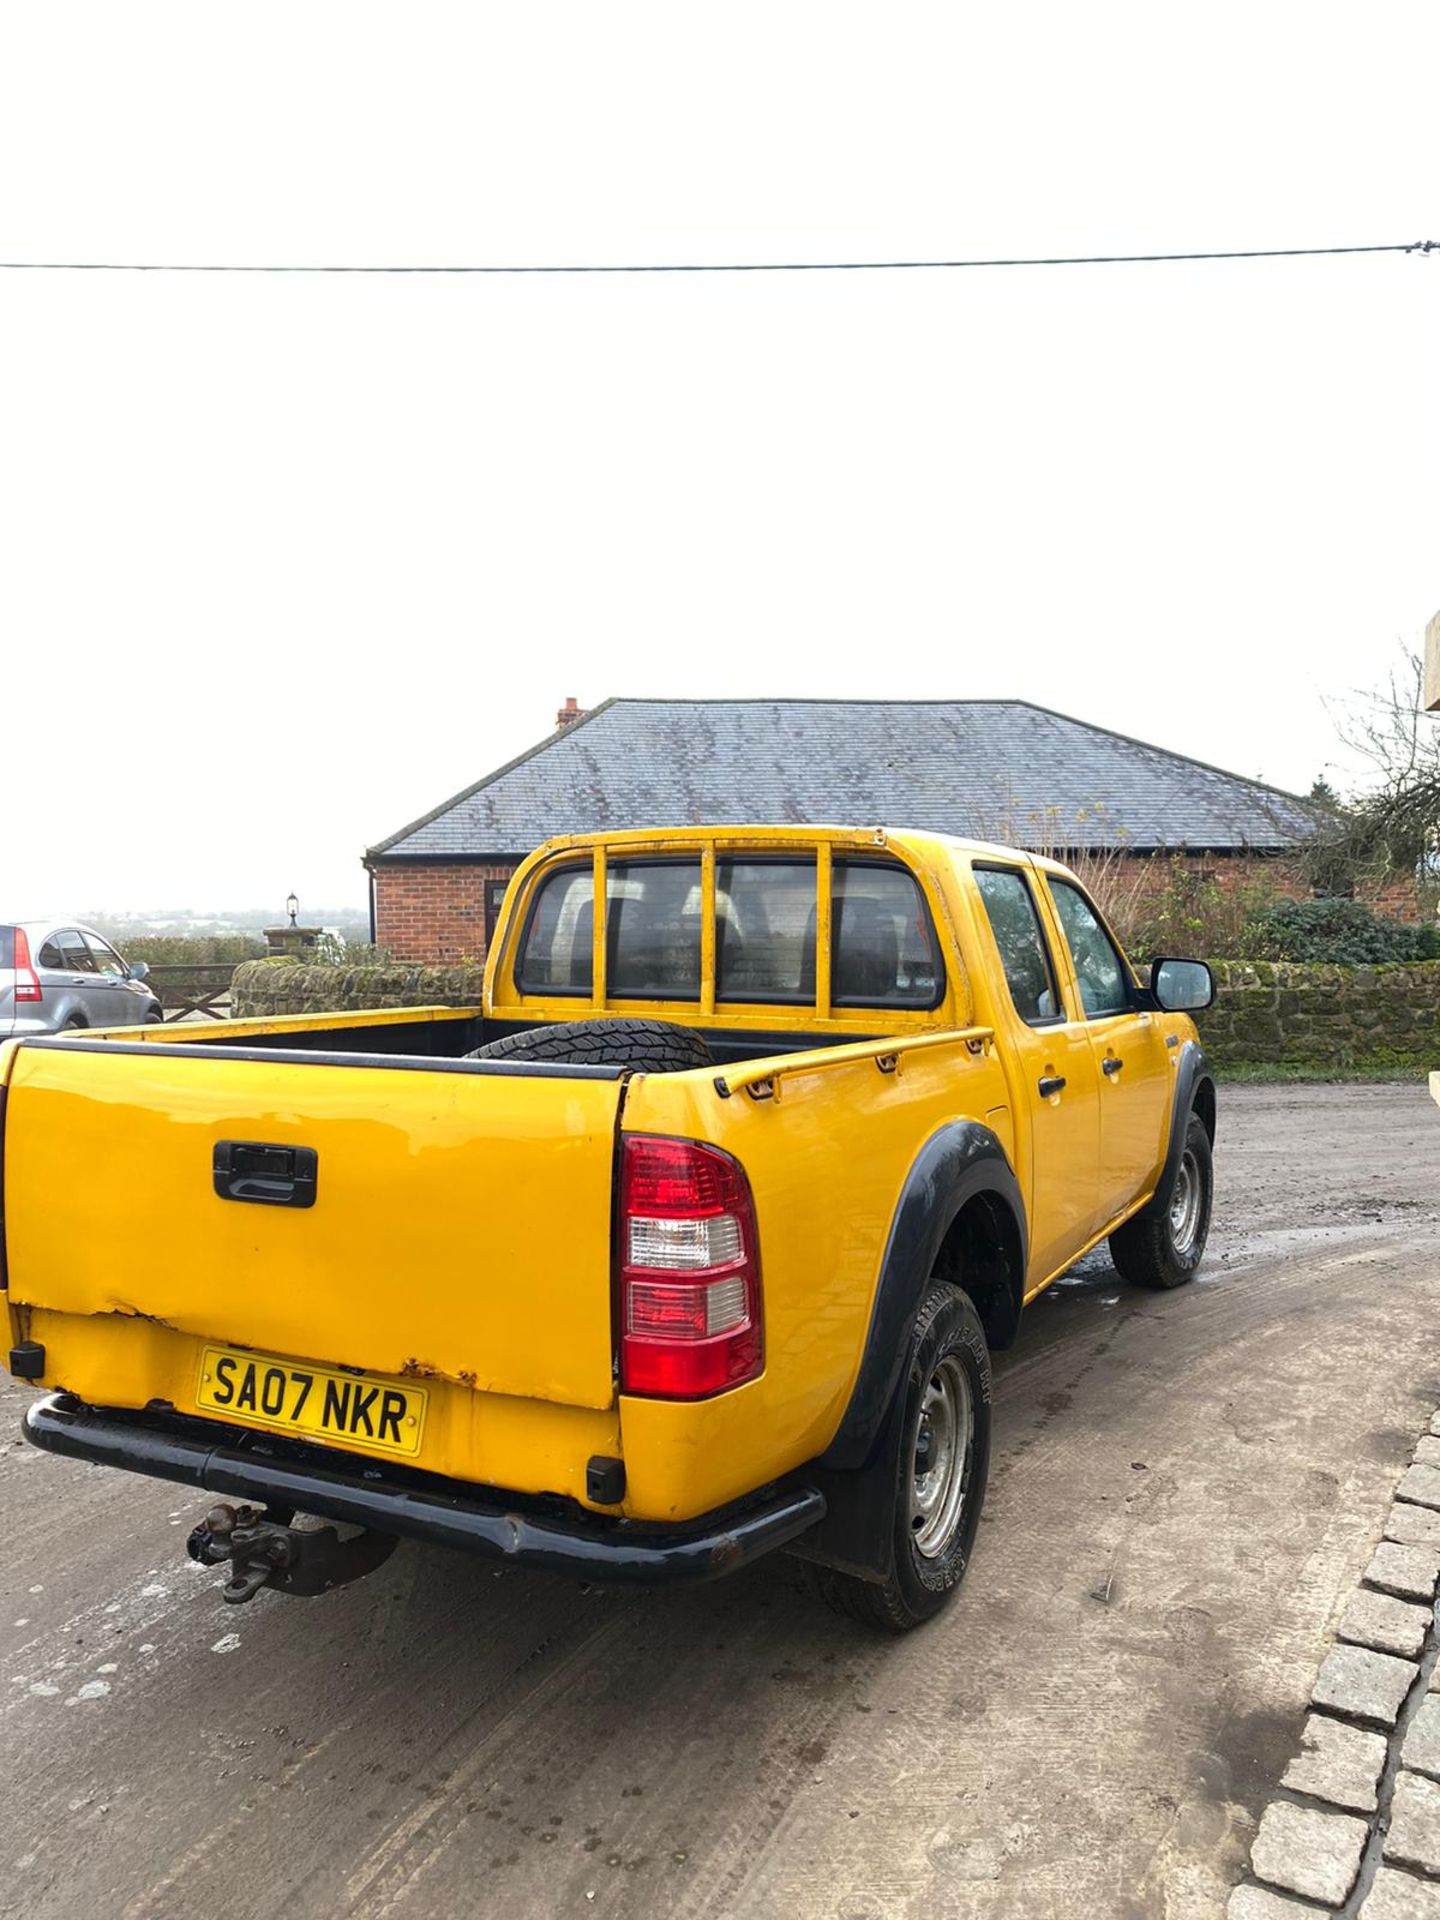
(460, 1225)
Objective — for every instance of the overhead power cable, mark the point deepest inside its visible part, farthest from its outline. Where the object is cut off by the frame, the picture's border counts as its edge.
(720, 266)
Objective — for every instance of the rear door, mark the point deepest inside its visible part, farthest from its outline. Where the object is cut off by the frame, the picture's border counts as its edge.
(458, 1225)
(1058, 1075)
(69, 979)
(1129, 1048)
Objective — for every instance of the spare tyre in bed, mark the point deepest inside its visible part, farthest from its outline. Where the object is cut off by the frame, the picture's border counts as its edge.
(649, 1046)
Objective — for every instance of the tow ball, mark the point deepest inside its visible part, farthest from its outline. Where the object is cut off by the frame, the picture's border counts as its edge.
(264, 1550)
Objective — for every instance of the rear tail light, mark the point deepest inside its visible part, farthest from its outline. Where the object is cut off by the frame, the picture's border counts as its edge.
(27, 981)
(689, 1270)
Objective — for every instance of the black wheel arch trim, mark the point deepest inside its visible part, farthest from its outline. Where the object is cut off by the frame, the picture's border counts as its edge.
(1192, 1072)
(960, 1161)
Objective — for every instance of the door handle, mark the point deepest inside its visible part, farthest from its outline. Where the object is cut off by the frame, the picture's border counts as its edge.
(1110, 1064)
(271, 1176)
(1049, 1083)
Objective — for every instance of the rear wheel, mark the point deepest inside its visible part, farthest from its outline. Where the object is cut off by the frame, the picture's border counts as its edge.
(1163, 1245)
(649, 1046)
(939, 1484)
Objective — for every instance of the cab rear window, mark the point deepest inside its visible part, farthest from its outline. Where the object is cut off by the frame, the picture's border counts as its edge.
(883, 947)
(652, 922)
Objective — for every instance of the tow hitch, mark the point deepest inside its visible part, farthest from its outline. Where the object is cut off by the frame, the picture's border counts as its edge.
(264, 1550)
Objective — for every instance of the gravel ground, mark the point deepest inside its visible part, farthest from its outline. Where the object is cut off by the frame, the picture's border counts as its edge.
(1185, 1490)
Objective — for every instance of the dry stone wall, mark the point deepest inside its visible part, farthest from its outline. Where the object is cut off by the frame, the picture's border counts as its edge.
(1310, 1020)
(1322, 1019)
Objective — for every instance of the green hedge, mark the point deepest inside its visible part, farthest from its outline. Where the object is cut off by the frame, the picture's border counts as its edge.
(1337, 932)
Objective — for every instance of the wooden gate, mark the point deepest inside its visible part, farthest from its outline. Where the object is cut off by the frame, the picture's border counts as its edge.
(198, 991)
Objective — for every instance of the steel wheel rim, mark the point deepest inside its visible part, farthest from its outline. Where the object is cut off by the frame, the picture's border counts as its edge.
(1185, 1203)
(940, 1464)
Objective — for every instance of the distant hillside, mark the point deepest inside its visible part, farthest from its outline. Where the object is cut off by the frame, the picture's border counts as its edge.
(238, 927)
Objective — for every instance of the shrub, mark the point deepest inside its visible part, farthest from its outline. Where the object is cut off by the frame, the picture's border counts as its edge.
(1335, 930)
(1165, 903)
(191, 949)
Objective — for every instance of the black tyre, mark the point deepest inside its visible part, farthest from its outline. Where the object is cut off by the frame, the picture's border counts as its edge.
(73, 1024)
(650, 1046)
(939, 1485)
(1163, 1246)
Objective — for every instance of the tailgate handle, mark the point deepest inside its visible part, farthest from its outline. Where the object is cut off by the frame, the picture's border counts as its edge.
(271, 1176)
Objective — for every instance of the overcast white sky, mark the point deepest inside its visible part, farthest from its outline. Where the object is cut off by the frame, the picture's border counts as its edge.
(285, 561)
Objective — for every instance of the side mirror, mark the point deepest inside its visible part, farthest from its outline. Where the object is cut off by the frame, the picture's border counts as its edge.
(137, 970)
(1181, 986)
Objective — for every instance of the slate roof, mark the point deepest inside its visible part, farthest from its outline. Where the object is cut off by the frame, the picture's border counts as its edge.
(980, 769)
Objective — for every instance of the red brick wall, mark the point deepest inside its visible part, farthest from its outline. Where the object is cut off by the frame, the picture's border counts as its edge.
(434, 914)
(1274, 873)
(437, 914)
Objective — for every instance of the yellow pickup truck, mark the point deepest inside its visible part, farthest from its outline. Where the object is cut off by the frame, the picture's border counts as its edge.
(690, 1243)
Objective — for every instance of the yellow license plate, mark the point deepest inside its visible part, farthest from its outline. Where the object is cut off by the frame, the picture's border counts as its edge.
(319, 1402)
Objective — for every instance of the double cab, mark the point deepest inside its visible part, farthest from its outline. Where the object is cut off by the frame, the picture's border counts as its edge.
(691, 1242)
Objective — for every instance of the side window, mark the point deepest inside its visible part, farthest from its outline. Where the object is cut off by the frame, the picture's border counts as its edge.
(1098, 966)
(75, 956)
(882, 945)
(106, 959)
(1023, 953)
(652, 930)
(50, 954)
(558, 955)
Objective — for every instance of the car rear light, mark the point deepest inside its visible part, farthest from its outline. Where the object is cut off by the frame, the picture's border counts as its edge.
(27, 981)
(689, 1261)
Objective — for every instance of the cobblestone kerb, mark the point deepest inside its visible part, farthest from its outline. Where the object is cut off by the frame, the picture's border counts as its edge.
(1354, 1831)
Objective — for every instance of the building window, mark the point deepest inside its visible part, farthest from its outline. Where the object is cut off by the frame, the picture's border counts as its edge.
(494, 900)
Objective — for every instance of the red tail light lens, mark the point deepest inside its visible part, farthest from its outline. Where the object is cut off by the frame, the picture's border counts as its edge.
(689, 1270)
(27, 981)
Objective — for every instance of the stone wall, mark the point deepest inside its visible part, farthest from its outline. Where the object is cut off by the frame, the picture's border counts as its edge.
(264, 987)
(1311, 1020)
(1319, 1019)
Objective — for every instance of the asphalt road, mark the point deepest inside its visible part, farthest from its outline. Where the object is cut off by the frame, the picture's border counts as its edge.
(1185, 1487)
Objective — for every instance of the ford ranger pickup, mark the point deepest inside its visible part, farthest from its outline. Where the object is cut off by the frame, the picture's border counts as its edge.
(689, 1243)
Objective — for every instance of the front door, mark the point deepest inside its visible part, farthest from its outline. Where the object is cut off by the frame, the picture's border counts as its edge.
(121, 1004)
(1059, 1078)
(1130, 1054)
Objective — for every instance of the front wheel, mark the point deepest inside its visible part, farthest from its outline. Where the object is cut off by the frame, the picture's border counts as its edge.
(1164, 1244)
(939, 1484)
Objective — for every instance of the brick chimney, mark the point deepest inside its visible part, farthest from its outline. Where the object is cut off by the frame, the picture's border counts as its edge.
(569, 714)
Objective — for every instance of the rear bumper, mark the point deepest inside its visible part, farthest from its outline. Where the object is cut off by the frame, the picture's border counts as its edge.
(420, 1506)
